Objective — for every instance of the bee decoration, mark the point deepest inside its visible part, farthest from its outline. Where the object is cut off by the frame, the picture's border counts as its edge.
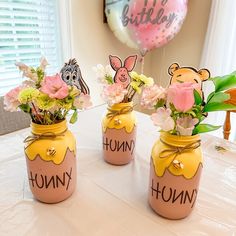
(51, 151)
(71, 74)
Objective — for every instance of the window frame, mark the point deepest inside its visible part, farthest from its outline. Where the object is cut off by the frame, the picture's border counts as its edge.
(63, 34)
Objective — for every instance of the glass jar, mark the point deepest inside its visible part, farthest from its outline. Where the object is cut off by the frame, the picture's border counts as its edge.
(175, 171)
(119, 134)
(51, 162)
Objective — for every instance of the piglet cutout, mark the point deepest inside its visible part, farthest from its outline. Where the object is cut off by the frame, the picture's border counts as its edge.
(122, 76)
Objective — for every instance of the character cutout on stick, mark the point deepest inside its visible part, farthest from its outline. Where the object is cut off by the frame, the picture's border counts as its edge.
(188, 74)
(71, 74)
(122, 72)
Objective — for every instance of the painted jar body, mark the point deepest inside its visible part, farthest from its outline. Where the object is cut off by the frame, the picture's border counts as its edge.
(119, 134)
(51, 162)
(175, 171)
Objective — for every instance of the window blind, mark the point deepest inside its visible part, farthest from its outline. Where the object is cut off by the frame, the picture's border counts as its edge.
(29, 29)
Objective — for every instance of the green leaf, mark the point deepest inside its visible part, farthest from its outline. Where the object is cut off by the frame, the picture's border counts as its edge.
(172, 107)
(25, 108)
(219, 97)
(160, 103)
(32, 70)
(216, 106)
(224, 82)
(210, 96)
(109, 79)
(197, 97)
(201, 118)
(192, 113)
(74, 117)
(203, 128)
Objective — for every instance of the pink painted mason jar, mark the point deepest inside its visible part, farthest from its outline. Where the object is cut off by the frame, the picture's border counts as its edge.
(175, 171)
(119, 134)
(51, 162)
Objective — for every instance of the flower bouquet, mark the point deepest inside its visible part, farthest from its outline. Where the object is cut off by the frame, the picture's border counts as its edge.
(51, 149)
(120, 84)
(176, 160)
(47, 99)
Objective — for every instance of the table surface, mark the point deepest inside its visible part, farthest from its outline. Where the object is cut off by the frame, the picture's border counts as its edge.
(112, 200)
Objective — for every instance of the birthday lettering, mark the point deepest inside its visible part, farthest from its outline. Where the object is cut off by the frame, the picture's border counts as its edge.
(118, 146)
(54, 181)
(146, 16)
(173, 195)
(113, 2)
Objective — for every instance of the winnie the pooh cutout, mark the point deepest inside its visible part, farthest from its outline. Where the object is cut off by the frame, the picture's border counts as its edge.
(173, 185)
(188, 74)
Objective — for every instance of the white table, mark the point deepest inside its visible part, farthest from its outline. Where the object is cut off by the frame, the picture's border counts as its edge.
(112, 200)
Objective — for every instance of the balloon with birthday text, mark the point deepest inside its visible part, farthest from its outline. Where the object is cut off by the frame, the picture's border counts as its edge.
(113, 10)
(145, 24)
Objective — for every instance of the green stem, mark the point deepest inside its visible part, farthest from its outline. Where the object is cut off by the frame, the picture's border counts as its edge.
(127, 95)
(65, 113)
(134, 92)
(36, 113)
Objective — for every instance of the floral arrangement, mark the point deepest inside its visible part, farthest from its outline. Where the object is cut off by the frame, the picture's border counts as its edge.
(120, 83)
(47, 99)
(180, 108)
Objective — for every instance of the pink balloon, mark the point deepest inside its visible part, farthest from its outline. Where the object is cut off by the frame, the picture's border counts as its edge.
(153, 23)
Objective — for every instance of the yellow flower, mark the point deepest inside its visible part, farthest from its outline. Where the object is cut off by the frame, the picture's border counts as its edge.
(135, 76)
(28, 95)
(65, 103)
(44, 102)
(135, 86)
(73, 91)
(148, 81)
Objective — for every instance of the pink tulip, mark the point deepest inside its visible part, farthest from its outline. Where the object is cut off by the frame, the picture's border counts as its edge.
(181, 96)
(55, 87)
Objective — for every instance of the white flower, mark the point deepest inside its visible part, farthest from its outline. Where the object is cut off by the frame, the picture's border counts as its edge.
(186, 125)
(83, 101)
(43, 63)
(163, 119)
(28, 83)
(103, 73)
(27, 71)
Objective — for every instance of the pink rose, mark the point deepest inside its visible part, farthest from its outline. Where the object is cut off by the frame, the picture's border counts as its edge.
(54, 87)
(11, 101)
(181, 95)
